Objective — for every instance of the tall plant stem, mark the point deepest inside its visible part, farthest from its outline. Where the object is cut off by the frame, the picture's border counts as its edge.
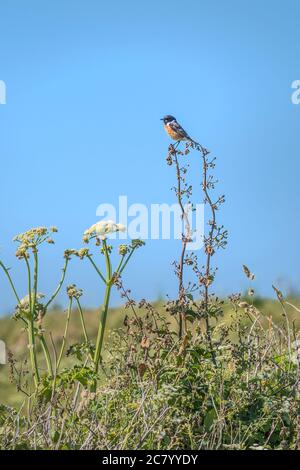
(96, 268)
(59, 284)
(6, 271)
(101, 329)
(102, 324)
(122, 267)
(83, 327)
(31, 333)
(47, 356)
(10, 281)
(185, 237)
(65, 333)
(35, 281)
(208, 252)
(32, 352)
(82, 321)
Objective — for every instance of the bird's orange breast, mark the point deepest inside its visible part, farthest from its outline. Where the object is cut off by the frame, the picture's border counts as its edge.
(174, 135)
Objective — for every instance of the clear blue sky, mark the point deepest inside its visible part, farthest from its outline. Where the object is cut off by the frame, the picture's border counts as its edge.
(87, 82)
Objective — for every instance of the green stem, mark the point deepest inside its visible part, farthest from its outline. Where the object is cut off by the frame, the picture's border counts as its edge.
(12, 286)
(65, 334)
(32, 352)
(96, 268)
(101, 329)
(59, 285)
(31, 335)
(10, 281)
(47, 356)
(102, 324)
(83, 326)
(35, 289)
(128, 258)
(82, 321)
(29, 285)
(35, 282)
(120, 264)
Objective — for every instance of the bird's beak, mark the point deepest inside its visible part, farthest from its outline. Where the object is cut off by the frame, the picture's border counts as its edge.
(161, 119)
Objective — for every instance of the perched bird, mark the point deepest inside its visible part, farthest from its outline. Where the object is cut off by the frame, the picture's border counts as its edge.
(174, 129)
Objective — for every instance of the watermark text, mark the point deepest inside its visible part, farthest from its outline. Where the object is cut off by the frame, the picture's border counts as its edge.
(2, 92)
(157, 221)
(296, 94)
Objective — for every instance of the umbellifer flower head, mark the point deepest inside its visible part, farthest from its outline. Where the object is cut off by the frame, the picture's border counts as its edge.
(73, 291)
(102, 229)
(24, 303)
(31, 239)
(123, 250)
(23, 308)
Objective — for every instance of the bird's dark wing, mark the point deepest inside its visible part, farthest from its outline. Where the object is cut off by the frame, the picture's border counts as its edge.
(178, 129)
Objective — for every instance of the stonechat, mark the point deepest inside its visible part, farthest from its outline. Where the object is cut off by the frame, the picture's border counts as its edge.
(174, 129)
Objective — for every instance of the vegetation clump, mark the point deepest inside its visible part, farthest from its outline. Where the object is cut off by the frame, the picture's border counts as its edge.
(177, 376)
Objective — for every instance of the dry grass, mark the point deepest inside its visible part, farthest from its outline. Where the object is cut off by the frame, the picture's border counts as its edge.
(15, 338)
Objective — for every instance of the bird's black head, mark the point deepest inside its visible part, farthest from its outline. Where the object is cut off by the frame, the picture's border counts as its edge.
(168, 118)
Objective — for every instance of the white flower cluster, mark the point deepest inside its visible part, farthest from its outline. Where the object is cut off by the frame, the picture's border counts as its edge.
(24, 303)
(103, 228)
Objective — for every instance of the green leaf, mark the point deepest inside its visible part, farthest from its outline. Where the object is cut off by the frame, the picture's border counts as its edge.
(209, 419)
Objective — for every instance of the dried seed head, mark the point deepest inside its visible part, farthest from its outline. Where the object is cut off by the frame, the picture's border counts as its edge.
(243, 305)
(136, 243)
(73, 292)
(85, 238)
(278, 293)
(68, 253)
(248, 273)
(32, 238)
(82, 253)
(123, 250)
